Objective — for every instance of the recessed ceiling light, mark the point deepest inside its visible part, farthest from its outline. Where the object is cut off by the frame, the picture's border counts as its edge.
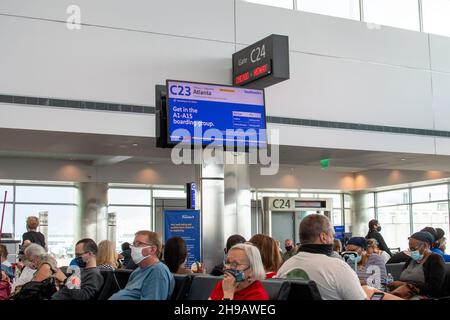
(134, 144)
(403, 159)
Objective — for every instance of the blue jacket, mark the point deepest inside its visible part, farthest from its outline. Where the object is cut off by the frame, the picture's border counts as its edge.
(439, 252)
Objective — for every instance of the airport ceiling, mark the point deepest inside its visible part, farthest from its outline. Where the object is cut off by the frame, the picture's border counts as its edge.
(109, 149)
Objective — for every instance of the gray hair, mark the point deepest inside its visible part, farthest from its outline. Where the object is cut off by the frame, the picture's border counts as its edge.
(47, 258)
(254, 259)
(312, 226)
(34, 250)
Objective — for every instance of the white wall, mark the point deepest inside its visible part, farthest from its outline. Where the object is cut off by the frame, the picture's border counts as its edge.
(341, 70)
(288, 177)
(83, 171)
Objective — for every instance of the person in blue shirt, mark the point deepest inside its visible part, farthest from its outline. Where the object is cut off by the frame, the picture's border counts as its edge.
(152, 280)
(439, 245)
(5, 265)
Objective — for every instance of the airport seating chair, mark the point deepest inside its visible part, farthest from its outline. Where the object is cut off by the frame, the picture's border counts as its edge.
(110, 285)
(303, 290)
(122, 276)
(277, 289)
(446, 284)
(182, 286)
(201, 287)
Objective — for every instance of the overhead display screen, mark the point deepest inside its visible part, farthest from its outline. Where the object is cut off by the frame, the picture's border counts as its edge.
(203, 113)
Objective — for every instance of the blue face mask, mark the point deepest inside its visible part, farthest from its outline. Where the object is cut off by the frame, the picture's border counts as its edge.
(416, 256)
(237, 274)
(352, 259)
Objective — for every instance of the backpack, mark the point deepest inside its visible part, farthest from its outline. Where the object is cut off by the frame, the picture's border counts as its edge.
(35, 290)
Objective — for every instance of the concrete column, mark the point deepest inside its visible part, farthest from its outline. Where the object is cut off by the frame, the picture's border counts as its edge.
(360, 214)
(237, 218)
(112, 227)
(92, 215)
(43, 226)
(210, 200)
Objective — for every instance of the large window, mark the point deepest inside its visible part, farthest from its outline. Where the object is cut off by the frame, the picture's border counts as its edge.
(133, 208)
(59, 201)
(399, 13)
(8, 218)
(129, 220)
(395, 221)
(430, 193)
(434, 214)
(388, 198)
(133, 212)
(337, 8)
(168, 193)
(396, 13)
(405, 211)
(436, 15)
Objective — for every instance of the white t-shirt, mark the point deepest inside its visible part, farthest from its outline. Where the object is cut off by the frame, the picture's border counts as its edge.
(26, 276)
(334, 277)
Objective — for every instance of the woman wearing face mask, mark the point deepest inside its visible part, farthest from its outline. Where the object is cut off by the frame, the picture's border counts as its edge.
(366, 264)
(374, 233)
(424, 273)
(243, 271)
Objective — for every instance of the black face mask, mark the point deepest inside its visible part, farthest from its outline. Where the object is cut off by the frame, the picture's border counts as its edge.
(379, 228)
(288, 248)
(81, 263)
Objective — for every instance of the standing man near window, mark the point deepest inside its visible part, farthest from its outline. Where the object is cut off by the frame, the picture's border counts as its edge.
(374, 233)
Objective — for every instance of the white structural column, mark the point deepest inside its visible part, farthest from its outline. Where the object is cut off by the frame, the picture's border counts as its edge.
(210, 201)
(237, 200)
(92, 216)
(360, 214)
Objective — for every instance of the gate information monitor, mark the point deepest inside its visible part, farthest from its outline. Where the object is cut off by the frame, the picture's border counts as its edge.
(236, 115)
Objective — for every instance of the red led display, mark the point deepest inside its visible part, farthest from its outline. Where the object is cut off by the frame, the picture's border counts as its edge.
(242, 78)
(260, 70)
(251, 75)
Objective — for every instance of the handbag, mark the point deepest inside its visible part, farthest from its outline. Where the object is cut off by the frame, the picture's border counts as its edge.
(35, 290)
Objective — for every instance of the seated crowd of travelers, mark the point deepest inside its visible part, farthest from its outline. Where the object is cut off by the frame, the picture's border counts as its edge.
(353, 270)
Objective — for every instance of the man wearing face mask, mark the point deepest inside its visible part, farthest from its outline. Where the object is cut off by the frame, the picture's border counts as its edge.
(290, 249)
(424, 272)
(374, 233)
(152, 280)
(334, 278)
(90, 281)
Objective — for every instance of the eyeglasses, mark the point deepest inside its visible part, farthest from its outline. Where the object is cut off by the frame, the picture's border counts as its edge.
(140, 244)
(234, 265)
(80, 254)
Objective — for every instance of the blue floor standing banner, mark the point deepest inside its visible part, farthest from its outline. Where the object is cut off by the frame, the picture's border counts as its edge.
(339, 232)
(185, 224)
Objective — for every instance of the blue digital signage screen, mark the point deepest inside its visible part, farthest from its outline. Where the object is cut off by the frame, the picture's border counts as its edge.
(205, 113)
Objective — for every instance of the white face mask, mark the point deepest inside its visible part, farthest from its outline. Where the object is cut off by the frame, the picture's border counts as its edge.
(136, 254)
